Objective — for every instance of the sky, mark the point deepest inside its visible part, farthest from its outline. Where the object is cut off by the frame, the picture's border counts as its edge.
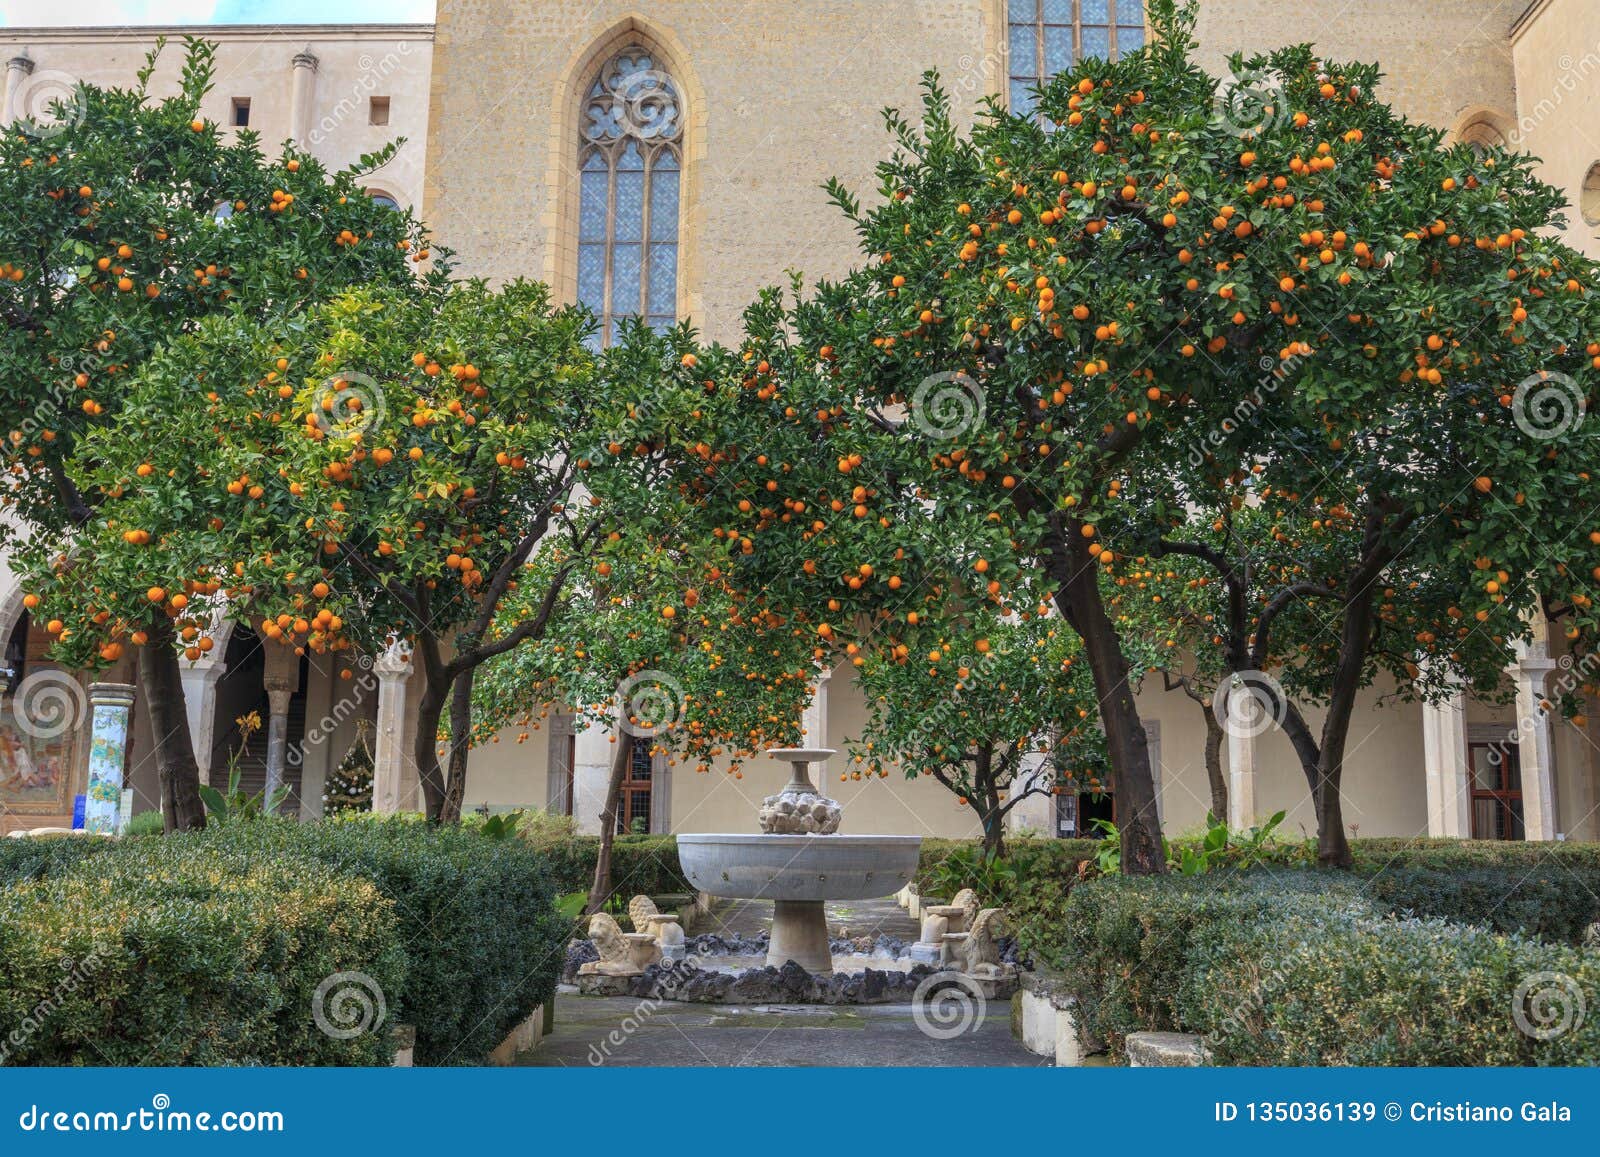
(82, 13)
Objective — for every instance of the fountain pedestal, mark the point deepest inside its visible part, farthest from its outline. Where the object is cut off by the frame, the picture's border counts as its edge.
(800, 934)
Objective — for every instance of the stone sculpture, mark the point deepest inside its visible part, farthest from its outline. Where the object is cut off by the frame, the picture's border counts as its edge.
(621, 954)
(662, 927)
(980, 950)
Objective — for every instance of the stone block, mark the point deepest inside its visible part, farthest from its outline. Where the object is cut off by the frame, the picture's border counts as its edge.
(1166, 1050)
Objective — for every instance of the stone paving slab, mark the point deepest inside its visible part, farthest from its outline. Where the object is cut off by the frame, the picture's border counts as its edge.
(621, 1031)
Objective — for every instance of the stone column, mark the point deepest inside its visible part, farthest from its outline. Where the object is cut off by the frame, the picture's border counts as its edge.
(394, 669)
(281, 680)
(18, 70)
(200, 701)
(302, 96)
(1241, 780)
(1444, 754)
(815, 721)
(593, 750)
(1535, 752)
(111, 712)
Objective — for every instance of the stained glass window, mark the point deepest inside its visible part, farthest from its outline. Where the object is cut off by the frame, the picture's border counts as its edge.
(1049, 36)
(629, 165)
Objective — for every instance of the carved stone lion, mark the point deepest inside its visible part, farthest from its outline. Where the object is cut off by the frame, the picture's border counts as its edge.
(608, 939)
(980, 951)
(640, 909)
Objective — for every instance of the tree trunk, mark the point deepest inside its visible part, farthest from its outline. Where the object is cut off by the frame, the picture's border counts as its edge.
(990, 814)
(600, 888)
(425, 748)
(455, 787)
(1132, 782)
(1333, 847)
(162, 682)
(1215, 737)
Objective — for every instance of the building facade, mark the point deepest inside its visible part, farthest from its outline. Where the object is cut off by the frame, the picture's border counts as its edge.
(667, 160)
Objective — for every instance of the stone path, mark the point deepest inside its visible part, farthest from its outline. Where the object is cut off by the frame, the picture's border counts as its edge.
(625, 1032)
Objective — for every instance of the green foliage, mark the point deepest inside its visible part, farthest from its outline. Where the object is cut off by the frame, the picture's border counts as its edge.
(33, 857)
(174, 952)
(1122, 943)
(146, 823)
(237, 805)
(477, 916)
(640, 865)
(1553, 901)
(502, 826)
(114, 241)
(1325, 987)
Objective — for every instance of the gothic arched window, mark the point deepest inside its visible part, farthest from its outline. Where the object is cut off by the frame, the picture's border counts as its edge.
(1050, 36)
(629, 163)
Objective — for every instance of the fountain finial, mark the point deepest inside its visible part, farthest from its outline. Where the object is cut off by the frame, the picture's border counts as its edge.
(799, 809)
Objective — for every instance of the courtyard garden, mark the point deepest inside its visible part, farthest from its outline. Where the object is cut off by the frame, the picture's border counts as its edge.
(1163, 382)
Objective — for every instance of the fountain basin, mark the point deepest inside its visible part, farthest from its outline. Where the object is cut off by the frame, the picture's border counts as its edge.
(797, 873)
(799, 867)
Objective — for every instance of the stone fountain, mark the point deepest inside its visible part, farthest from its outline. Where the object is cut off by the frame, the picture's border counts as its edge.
(798, 861)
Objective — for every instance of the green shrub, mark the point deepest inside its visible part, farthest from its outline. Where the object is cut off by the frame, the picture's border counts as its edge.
(640, 865)
(34, 857)
(477, 918)
(1388, 853)
(1553, 900)
(173, 953)
(1122, 943)
(146, 823)
(947, 866)
(1329, 990)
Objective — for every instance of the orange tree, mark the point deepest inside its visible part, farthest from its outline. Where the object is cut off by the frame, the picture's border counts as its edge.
(1105, 280)
(653, 641)
(996, 709)
(1243, 613)
(127, 222)
(391, 467)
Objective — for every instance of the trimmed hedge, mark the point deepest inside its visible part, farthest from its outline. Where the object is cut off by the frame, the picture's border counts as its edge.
(170, 953)
(1388, 853)
(640, 865)
(477, 919)
(1307, 968)
(1315, 990)
(482, 941)
(34, 857)
(1553, 900)
(1122, 943)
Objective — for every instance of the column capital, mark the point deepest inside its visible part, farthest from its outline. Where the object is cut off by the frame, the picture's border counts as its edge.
(305, 58)
(23, 64)
(394, 663)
